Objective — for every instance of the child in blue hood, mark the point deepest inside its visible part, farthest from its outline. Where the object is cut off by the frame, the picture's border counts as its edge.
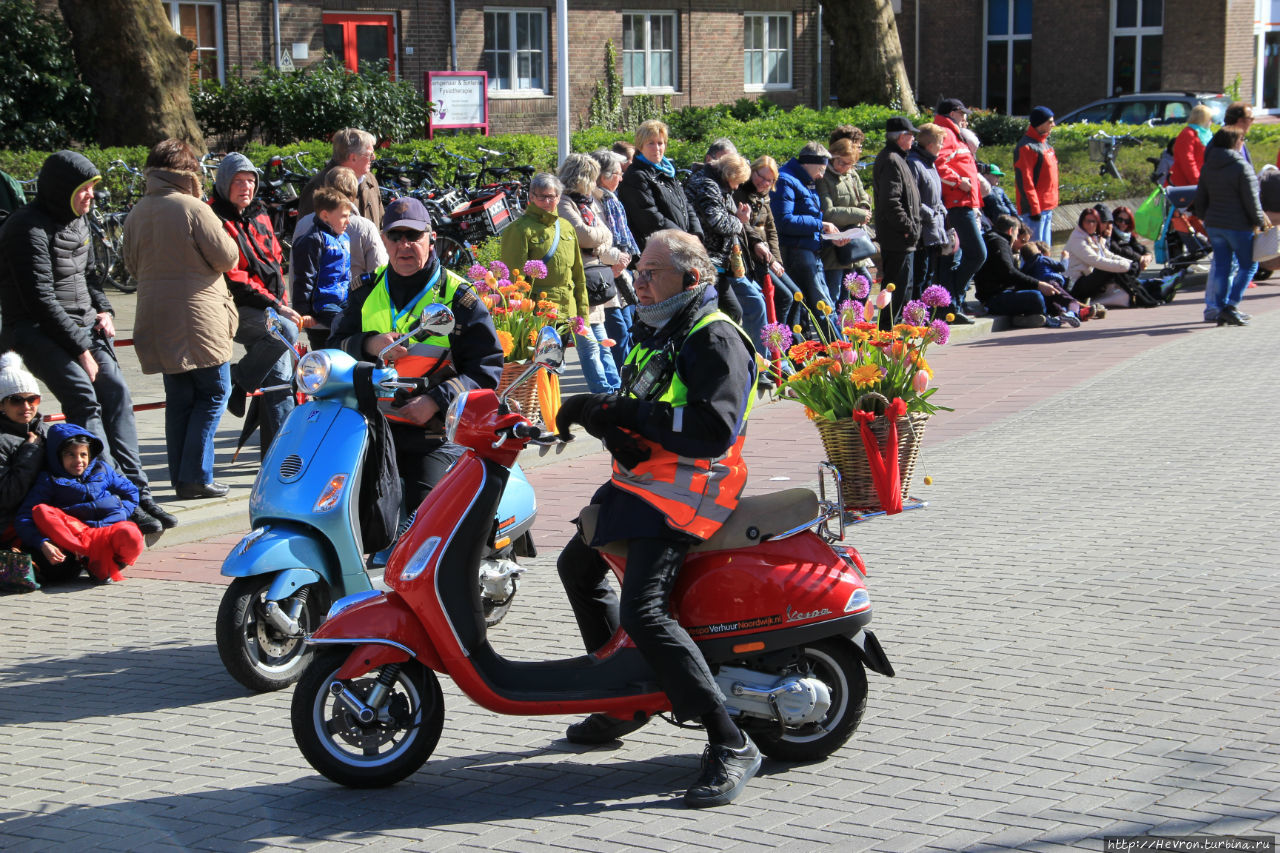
(81, 506)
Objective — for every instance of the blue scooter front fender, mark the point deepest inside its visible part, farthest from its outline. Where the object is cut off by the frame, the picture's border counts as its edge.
(290, 550)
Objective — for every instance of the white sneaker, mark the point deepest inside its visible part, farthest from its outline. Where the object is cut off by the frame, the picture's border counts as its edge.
(1071, 319)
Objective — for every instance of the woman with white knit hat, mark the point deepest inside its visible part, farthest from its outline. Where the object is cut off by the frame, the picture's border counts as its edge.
(22, 457)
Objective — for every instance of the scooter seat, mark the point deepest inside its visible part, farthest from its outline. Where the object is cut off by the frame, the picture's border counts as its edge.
(755, 520)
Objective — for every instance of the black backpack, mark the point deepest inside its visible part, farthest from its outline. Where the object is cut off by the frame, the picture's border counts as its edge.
(381, 492)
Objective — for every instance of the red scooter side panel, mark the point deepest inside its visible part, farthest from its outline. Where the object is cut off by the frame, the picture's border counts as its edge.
(782, 584)
(369, 657)
(386, 617)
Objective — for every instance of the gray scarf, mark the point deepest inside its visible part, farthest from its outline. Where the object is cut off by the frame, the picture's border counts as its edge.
(656, 316)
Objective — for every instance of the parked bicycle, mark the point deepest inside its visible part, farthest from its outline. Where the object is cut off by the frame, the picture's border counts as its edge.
(106, 225)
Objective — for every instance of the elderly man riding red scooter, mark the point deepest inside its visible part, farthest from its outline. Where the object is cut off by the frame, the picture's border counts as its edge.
(676, 433)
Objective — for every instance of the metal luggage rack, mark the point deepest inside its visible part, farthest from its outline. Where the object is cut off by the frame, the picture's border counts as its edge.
(832, 510)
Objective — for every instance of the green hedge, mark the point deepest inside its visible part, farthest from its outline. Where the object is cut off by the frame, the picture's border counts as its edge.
(766, 131)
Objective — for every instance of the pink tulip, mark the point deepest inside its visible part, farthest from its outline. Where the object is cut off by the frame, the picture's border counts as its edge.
(921, 381)
(883, 300)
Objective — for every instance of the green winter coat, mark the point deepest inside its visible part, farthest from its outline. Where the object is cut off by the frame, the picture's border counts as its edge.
(845, 204)
(530, 238)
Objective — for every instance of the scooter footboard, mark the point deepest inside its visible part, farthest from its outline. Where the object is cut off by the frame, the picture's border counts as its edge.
(385, 629)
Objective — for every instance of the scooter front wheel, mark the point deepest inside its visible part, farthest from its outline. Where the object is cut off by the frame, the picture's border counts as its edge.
(371, 731)
(835, 662)
(256, 652)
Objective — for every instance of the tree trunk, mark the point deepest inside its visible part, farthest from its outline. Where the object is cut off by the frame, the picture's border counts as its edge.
(866, 65)
(136, 67)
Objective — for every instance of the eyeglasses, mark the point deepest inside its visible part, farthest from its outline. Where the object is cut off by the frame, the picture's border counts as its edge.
(645, 276)
(765, 177)
(405, 236)
(546, 196)
(20, 400)
(842, 162)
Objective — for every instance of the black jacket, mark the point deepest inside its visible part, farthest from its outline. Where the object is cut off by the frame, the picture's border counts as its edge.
(1227, 195)
(20, 464)
(654, 202)
(716, 209)
(1000, 271)
(897, 200)
(473, 344)
(46, 278)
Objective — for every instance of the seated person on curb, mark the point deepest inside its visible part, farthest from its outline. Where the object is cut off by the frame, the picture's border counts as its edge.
(322, 267)
(1094, 272)
(1005, 289)
(386, 305)
(1038, 263)
(80, 507)
(1124, 244)
(687, 392)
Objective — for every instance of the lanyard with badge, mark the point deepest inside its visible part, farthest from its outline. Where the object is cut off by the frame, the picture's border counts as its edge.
(397, 316)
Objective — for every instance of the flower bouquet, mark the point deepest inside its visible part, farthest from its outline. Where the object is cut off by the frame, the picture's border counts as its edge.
(867, 389)
(518, 318)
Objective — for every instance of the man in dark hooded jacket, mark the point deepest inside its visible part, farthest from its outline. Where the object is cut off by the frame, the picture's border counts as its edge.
(60, 322)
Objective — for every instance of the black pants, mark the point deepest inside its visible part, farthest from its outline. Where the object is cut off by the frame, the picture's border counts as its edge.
(899, 268)
(644, 613)
(104, 407)
(1088, 286)
(422, 462)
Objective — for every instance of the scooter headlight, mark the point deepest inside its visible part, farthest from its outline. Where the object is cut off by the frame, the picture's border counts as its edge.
(313, 371)
(454, 414)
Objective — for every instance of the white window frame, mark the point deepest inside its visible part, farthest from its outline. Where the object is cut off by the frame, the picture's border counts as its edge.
(511, 12)
(1137, 32)
(772, 22)
(648, 52)
(1264, 22)
(1008, 39)
(175, 21)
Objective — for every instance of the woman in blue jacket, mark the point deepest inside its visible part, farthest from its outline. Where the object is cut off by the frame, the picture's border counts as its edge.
(797, 213)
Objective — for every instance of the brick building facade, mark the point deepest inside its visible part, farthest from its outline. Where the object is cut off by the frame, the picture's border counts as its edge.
(1012, 54)
(701, 52)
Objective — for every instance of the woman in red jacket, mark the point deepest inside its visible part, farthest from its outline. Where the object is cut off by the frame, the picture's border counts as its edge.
(1188, 148)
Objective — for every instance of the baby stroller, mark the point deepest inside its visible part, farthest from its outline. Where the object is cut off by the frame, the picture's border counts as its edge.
(1180, 243)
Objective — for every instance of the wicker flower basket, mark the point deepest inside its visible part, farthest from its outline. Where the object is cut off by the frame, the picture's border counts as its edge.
(843, 442)
(526, 395)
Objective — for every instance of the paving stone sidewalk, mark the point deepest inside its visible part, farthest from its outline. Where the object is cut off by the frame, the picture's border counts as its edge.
(1084, 624)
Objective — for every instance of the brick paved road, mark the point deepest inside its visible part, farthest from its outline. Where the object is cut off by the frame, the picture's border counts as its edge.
(1084, 624)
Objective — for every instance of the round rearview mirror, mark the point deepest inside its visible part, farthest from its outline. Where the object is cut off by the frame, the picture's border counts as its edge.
(436, 319)
(549, 352)
(272, 320)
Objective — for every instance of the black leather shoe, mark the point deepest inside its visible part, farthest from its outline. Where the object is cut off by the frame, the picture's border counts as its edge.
(167, 520)
(601, 728)
(1230, 317)
(961, 319)
(145, 522)
(725, 772)
(190, 491)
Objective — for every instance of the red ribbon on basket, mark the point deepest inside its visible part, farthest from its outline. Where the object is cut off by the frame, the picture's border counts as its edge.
(884, 462)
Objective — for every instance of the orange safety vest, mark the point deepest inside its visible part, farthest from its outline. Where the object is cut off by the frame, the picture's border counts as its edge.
(695, 495)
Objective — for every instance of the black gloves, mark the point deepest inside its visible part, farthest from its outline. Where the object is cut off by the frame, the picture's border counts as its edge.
(597, 413)
(625, 447)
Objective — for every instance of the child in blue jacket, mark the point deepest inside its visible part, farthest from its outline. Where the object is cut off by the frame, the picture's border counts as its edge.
(80, 506)
(322, 267)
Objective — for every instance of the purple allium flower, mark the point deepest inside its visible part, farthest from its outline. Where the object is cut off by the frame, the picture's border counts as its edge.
(850, 312)
(936, 296)
(535, 269)
(477, 272)
(857, 285)
(915, 313)
(940, 331)
(776, 337)
(499, 269)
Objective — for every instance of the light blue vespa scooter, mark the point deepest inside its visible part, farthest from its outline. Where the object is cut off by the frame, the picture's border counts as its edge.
(304, 549)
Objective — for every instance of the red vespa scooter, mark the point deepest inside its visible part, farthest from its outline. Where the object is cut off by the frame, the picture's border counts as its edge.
(779, 613)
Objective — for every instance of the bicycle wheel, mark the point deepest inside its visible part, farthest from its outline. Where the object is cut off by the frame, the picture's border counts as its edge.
(455, 255)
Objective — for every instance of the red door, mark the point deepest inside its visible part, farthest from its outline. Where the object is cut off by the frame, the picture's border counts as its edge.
(360, 38)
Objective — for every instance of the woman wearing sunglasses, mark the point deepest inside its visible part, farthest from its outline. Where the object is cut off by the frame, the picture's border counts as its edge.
(22, 457)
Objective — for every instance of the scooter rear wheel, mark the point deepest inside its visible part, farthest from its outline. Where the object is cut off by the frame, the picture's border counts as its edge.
(381, 752)
(253, 651)
(836, 663)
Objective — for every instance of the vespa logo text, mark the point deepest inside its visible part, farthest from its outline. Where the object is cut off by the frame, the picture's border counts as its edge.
(795, 616)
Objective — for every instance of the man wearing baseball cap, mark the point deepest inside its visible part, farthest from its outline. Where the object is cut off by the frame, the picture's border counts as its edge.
(1035, 167)
(962, 195)
(386, 304)
(896, 212)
